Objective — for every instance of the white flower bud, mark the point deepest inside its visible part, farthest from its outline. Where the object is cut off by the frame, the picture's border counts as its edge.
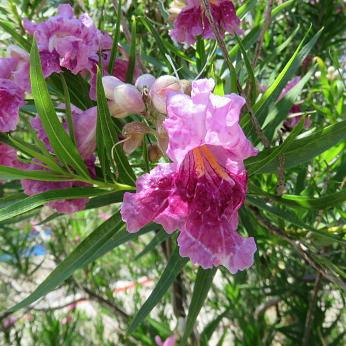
(109, 84)
(129, 99)
(145, 81)
(160, 89)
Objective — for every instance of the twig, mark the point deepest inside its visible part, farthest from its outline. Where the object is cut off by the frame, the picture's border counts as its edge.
(106, 302)
(297, 246)
(310, 313)
(222, 45)
(266, 24)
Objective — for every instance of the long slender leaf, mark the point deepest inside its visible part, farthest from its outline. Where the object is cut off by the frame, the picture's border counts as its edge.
(58, 138)
(116, 36)
(107, 137)
(38, 200)
(173, 268)
(203, 283)
(80, 257)
(262, 162)
(304, 149)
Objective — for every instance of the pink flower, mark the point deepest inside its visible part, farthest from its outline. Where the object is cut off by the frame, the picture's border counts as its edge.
(170, 341)
(20, 72)
(11, 98)
(85, 134)
(84, 123)
(201, 191)
(192, 22)
(8, 156)
(34, 187)
(72, 42)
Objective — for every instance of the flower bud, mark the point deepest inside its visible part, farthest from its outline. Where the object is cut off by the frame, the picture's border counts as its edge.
(128, 99)
(154, 153)
(160, 89)
(134, 133)
(109, 84)
(145, 81)
(163, 86)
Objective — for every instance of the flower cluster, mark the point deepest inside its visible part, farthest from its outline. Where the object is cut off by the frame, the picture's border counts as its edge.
(201, 189)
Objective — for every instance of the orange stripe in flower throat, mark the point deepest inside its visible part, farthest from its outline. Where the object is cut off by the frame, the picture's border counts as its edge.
(203, 153)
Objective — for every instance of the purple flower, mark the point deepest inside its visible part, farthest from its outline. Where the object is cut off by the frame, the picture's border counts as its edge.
(201, 191)
(8, 156)
(67, 41)
(170, 341)
(85, 132)
(11, 98)
(34, 187)
(84, 123)
(192, 22)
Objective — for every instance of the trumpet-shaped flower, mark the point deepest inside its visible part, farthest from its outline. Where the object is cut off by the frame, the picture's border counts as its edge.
(200, 192)
(192, 22)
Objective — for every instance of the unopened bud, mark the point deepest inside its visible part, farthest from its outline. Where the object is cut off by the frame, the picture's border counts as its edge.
(129, 99)
(109, 84)
(134, 133)
(160, 89)
(145, 81)
(154, 153)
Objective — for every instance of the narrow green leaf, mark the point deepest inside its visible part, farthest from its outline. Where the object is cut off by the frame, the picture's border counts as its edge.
(173, 268)
(252, 82)
(280, 112)
(313, 145)
(203, 283)
(116, 36)
(14, 173)
(132, 57)
(158, 239)
(38, 200)
(83, 254)
(107, 138)
(328, 201)
(263, 160)
(58, 138)
(290, 217)
(211, 327)
(68, 111)
(23, 42)
(273, 92)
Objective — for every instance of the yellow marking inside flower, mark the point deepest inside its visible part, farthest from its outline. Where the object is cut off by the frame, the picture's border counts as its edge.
(203, 153)
(214, 2)
(198, 161)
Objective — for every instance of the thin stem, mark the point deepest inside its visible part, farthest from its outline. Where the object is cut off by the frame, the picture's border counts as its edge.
(297, 246)
(310, 313)
(266, 24)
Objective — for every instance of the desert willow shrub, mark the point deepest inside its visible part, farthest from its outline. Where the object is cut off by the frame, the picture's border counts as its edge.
(212, 143)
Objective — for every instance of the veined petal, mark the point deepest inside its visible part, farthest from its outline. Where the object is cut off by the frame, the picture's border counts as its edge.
(153, 201)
